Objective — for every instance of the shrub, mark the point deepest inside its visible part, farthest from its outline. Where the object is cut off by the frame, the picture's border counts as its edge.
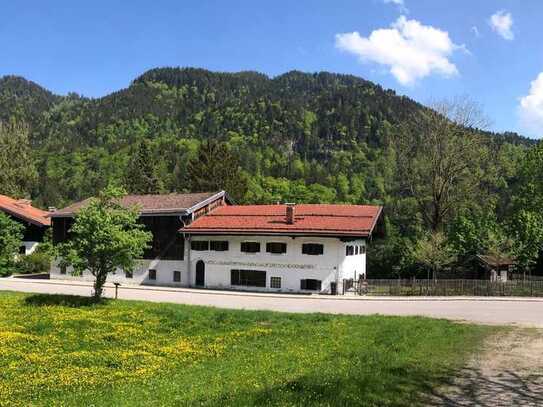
(37, 262)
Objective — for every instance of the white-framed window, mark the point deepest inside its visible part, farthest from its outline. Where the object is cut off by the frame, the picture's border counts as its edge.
(250, 247)
(276, 247)
(176, 276)
(218, 245)
(275, 282)
(199, 245)
(152, 274)
(310, 284)
(313, 249)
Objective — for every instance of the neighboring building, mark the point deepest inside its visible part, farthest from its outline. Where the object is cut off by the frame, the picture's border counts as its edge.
(288, 248)
(163, 215)
(36, 221)
(210, 244)
(497, 268)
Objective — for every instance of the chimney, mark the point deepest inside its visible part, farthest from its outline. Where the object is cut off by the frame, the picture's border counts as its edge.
(291, 213)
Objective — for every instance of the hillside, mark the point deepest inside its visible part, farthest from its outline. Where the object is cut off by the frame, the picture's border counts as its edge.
(324, 131)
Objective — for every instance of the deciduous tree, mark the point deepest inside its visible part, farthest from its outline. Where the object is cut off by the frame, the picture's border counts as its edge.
(438, 157)
(11, 236)
(105, 236)
(434, 252)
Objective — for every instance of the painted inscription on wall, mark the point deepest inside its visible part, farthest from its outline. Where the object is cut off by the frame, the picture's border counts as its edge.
(268, 265)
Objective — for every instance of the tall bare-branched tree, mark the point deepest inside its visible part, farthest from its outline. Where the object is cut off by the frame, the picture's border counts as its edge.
(439, 154)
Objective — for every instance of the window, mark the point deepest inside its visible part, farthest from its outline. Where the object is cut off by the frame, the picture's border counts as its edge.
(250, 247)
(152, 274)
(176, 276)
(128, 274)
(363, 249)
(63, 269)
(175, 249)
(349, 250)
(276, 248)
(356, 249)
(218, 246)
(22, 249)
(248, 278)
(313, 249)
(310, 284)
(275, 282)
(199, 245)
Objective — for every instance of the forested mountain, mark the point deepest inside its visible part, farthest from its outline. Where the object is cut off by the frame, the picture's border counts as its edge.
(298, 137)
(326, 131)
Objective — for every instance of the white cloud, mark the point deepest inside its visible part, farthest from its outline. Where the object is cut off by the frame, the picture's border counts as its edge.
(409, 49)
(399, 3)
(502, 23)
(531, 107)
(475, 31)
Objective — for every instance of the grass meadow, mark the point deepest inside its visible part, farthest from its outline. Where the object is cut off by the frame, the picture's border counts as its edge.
(61, 350)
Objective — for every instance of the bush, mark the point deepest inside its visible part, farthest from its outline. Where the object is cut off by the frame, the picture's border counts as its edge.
(37, 262)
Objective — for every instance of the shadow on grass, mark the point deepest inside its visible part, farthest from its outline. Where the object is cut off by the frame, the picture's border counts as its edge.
(394, 390)
(474, 387)
(74, 301)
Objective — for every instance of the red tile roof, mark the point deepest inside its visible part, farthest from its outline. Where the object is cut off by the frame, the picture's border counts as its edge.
(329, 220)
(22, 209)
(150, 204)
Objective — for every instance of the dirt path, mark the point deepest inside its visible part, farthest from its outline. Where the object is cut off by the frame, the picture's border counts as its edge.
(508, 373)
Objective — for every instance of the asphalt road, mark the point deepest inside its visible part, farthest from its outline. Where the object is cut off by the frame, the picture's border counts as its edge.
(484, 310)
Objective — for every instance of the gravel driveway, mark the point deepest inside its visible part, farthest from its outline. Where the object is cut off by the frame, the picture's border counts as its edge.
(500, 310)
(509, 372)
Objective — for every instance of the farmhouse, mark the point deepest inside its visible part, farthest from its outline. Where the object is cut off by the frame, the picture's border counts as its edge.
(202, 240)
(36, 221)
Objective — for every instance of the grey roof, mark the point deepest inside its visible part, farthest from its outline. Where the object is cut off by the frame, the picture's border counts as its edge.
(151, 204)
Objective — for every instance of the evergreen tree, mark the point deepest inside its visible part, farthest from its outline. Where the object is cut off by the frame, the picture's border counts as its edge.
(141, 175)
(18, 173)
(214, 169)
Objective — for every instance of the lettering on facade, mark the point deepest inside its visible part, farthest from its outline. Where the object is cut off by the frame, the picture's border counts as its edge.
(269, 265)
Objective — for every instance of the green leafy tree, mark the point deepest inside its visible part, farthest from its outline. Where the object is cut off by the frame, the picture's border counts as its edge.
(433, 252)
(141, 175)
(105, 236)
(216, 168)
(438, 155)
(18, 173)
(527, 220)
(527, 229)
(11, 236)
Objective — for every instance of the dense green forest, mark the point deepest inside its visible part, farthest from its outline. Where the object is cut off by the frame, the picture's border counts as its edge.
(296, 137)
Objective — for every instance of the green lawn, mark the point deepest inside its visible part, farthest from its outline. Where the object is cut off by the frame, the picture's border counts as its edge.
(58, 350)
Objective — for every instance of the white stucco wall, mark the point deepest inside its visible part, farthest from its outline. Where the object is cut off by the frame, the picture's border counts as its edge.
(332, 266)
(354, 266)
(292, 266)
(30, 247)
(164, 274)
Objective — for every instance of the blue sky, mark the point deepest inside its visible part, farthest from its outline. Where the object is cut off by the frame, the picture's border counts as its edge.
(426, 49)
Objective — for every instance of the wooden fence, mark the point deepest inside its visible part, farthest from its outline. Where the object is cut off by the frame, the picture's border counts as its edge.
(413, 287)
